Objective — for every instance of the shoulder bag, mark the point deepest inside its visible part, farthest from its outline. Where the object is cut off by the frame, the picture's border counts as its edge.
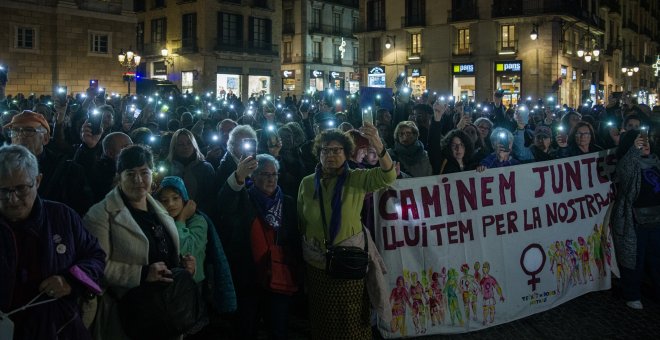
(349, 263)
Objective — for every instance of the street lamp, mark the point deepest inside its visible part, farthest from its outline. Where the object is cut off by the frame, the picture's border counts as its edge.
(129, 61)
(535, 32)
(167, 58)
(390, 42)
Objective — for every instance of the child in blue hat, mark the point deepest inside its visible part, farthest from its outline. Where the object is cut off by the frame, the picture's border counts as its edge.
(192, 227)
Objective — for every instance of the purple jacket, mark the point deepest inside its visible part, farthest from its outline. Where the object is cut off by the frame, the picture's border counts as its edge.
(56, 224)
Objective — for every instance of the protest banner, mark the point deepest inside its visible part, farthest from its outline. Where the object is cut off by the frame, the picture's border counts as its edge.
(472, 250)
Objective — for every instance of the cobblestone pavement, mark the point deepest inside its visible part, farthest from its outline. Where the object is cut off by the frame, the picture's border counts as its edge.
(596, 315)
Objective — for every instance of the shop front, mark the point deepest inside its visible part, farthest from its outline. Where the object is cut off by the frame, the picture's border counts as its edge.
(228, 81)
(463, 80)
(316, 80)
(159, 70)
(259, 81)
(289, 80)
(376, 76)
(508, 78)
(336, 80)
(416, 81)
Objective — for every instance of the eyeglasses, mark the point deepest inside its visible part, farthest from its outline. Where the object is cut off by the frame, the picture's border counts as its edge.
(456, 146)
(580, 134)
(26, 131)
(333, 151)
(20, 190)
(269, 175)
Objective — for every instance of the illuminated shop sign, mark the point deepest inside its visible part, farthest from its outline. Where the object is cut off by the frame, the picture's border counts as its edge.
(467, 68)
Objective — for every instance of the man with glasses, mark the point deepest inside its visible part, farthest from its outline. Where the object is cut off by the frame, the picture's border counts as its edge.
(63, 180)
(45, 252)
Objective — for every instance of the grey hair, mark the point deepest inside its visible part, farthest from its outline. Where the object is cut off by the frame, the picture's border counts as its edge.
(237, 131)
(495, 137)
(14, 158)
(263, 159)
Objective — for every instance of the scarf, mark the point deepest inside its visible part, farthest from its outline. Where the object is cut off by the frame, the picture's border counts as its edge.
(409, 154)
(186, 160)
(335, 218)
(649, 162)
(269, 208)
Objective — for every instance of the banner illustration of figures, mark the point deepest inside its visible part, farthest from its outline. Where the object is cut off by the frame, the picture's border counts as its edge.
(473, 250)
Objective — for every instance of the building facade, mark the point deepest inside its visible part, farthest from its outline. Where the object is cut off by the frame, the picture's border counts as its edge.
(50, 43)
(473, 47)
(318, 46)
(227, 46)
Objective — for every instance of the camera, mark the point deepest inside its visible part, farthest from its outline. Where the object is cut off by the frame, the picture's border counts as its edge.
(249, 147)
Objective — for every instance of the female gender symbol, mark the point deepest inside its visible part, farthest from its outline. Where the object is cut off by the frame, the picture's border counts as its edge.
(533, 256)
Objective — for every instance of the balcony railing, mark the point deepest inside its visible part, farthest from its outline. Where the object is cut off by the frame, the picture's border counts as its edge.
(463, 14)
(506, 8)
(249, 47)
(462, 49)
(330, 30)
(152, 49)
(507, 46)
(374, 24)
(413, 21)
(289, 28)
(374, 55)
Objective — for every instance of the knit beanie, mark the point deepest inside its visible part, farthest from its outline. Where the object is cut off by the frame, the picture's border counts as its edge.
(176, 183)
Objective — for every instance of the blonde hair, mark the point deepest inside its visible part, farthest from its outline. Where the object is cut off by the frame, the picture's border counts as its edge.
(175, 138)
(405, 124)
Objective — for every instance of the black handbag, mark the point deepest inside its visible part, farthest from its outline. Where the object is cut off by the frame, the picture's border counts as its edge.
(156, 310)
(341, 262)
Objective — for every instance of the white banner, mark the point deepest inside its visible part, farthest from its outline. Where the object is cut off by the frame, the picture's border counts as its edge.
(472, 250)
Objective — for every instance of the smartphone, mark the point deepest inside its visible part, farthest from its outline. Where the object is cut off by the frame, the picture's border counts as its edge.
(100, 93)
(504, 142)
(60, 93)
(94, 118)
(4, 72)
(644, 131)
(367, 116)
(249, 147)
(94, 83)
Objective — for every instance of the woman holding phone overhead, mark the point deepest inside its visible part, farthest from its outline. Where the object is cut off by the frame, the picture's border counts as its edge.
(329, 205)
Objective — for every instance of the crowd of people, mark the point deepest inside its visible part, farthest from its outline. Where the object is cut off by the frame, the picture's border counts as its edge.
(242, 200)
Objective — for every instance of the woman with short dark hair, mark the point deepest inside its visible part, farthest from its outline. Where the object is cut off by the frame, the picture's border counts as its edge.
(329, 206)
(581, 140)
(138, 235)
(457, 150)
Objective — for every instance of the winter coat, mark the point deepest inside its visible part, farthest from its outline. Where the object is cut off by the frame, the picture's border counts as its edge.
(64, 242)
(128, 251)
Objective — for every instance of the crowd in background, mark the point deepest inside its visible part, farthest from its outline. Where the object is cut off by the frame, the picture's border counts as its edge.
(176, 164)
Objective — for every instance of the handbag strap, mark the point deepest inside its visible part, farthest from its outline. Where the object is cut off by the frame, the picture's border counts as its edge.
(326, 231)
